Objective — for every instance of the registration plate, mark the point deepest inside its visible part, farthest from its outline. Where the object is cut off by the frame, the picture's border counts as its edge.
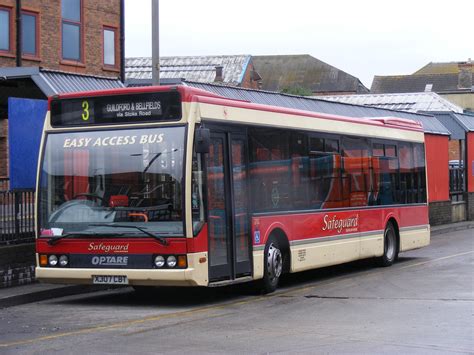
(110, 280)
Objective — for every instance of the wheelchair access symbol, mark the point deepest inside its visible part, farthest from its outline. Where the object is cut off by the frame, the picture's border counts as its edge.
(256, 237)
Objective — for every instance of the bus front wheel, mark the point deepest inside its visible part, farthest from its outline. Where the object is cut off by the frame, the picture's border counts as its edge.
(390, 246)
(273, 265)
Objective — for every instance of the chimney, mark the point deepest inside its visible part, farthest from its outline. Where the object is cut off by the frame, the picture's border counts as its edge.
(219, 76)
(465, 75)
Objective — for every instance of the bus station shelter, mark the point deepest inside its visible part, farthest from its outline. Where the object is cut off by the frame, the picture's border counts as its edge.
(461, 161)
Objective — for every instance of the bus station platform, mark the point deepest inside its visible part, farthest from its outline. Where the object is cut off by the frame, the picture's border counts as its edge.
(35, 292)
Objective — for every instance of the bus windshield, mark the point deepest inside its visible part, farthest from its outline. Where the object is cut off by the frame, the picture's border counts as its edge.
(94, 179)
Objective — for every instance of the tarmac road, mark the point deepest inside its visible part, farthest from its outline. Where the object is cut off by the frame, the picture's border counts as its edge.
(423, 304)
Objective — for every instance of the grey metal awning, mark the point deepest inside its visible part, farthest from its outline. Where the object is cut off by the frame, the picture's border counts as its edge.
(38, 83)
(457, 123)
(53, 82)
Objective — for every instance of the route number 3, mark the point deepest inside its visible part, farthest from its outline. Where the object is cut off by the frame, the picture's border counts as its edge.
(85, 110)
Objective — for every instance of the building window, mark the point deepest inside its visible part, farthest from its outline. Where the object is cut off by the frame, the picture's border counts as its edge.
(71, 29)
(109, 46)
(29, 33)
(5, 24)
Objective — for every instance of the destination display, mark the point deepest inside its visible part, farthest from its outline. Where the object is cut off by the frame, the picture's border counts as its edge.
(116, 109)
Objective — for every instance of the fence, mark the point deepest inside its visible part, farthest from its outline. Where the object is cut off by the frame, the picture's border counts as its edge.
(17, 217)
(4, 184)
(456, 183)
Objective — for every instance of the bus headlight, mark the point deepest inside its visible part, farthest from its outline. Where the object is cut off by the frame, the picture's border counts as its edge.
(53, 260)
(63, 260)
(171, 261)
(159, 261)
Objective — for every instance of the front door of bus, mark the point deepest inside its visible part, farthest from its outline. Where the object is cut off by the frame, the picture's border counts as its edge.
(228, 220)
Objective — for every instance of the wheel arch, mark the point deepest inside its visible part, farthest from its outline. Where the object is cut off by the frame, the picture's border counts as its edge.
(282, 239)
(391, 219)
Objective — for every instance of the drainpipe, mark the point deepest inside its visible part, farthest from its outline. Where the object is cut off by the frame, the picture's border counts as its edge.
(18, 33)
(122, 41)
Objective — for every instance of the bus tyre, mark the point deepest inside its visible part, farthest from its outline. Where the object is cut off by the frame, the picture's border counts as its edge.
(273, 266)
(390, 246)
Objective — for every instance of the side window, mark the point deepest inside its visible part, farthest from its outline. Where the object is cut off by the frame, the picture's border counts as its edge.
(299, 163)
(29, 33)
(270, 169)
(5, 25)
(324, 165)
(407, 172)
(377, 150)
(110, 36)
(331, 145)
(384, 162)
(71, 29)
(197, 205)
(420, 174)
(357, 182)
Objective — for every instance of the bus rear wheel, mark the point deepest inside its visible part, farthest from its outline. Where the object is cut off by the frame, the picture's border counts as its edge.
(390, 246)
(273, 266)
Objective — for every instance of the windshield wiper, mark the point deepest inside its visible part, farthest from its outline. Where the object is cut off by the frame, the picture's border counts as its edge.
(162, 241)
(57, 238)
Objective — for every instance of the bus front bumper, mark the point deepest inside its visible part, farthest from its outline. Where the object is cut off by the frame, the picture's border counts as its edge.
(195, 275)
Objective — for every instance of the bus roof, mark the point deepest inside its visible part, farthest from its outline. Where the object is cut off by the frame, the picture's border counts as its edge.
(190, 94)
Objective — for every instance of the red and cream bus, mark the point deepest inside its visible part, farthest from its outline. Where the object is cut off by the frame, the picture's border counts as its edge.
(178, 186)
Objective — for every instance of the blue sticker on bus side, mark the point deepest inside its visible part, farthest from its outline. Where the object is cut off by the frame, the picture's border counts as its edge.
(256, 237)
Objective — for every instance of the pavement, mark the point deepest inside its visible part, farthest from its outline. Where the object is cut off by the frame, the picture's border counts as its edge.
(35, 292)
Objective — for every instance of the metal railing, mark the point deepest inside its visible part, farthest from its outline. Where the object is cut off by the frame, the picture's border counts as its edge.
(4, 184)
(456, 183)
(17, 217)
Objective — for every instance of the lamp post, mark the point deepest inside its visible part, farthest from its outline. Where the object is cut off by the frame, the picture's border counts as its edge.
(155, 42)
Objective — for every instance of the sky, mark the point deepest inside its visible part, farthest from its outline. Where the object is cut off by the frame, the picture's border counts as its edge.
(361, 37)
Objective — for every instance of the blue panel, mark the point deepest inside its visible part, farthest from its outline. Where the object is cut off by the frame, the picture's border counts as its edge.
(25, 124)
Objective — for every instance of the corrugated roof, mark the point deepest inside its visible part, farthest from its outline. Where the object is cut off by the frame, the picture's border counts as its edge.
(411, 102)
(308, 103)
(451, 122)
(193, 68)
(63, 82)
(466, 120)
(38, 83)
(281, 72)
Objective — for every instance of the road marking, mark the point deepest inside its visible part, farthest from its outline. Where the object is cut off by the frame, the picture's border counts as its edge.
(435, 260)
(188, 313)
(163, 316)
(207, 316)
(132, 322)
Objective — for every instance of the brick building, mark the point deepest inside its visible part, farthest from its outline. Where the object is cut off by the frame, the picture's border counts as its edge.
(80, 36)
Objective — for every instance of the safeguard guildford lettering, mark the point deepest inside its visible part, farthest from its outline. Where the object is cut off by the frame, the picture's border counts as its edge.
(86, 142)
(133, 109)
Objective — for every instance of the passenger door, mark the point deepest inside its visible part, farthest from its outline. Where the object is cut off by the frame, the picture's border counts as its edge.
(228, 218)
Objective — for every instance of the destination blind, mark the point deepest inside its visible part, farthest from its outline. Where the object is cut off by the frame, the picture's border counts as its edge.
(116, 109)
